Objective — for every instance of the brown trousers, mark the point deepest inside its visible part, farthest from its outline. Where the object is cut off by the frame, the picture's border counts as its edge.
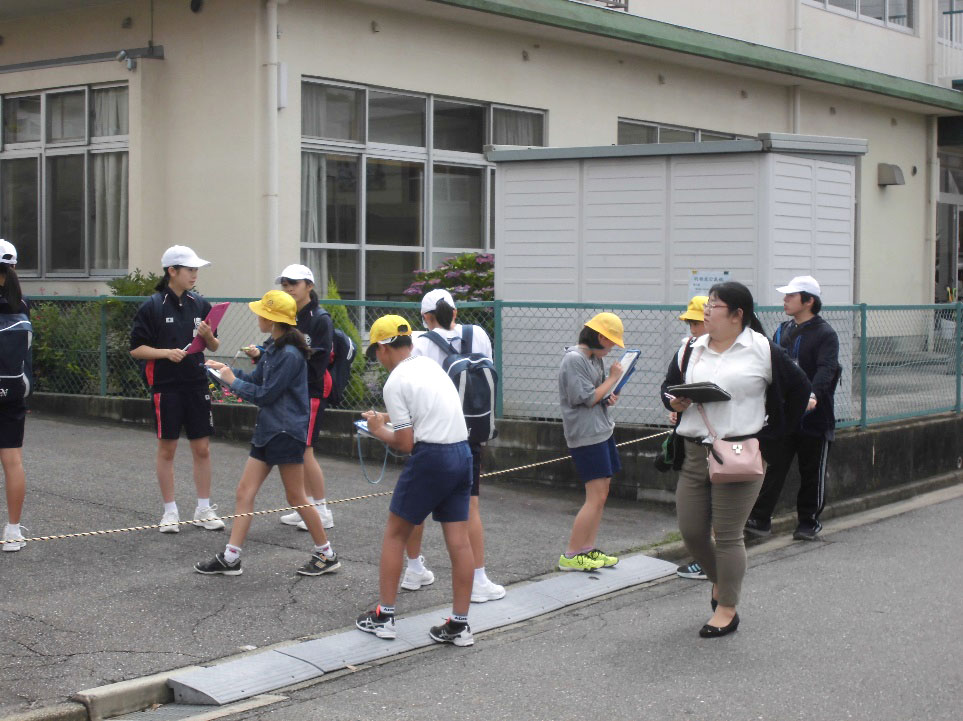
(705, 509)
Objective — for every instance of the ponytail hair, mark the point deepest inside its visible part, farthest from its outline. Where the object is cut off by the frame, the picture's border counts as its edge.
(10, 290)
(444, 314)
(165, 281)
(314, 296)
(292, 336)
(738, 297)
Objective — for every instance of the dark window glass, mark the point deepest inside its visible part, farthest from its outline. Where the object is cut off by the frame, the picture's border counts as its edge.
(332, 112)
(396, 119)
(459, 127)
(21, 119)
(395, 201)
(636, 134)
(19, 211)
(65, 182)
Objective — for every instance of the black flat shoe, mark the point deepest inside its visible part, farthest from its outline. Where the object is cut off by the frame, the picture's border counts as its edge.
(708, 631)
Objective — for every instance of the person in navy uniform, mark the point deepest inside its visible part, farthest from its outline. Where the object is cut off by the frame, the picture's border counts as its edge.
(165, 325)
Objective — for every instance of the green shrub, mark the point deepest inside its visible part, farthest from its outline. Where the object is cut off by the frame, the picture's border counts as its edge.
(66, 346)
(356, 393)
(134, 284)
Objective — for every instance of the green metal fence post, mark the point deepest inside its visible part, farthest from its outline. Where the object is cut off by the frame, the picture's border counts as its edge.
(103, 346)
(959, 358)
(863, 362)
(498, 357)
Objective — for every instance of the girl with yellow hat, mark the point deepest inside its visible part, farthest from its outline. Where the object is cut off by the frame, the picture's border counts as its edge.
(278, 385)
(585, 393)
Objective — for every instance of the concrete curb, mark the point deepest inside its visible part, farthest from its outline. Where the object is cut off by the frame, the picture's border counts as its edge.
(127, 696)
(138, 694)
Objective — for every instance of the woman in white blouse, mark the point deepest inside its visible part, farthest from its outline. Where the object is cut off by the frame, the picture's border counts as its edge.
(735, 355)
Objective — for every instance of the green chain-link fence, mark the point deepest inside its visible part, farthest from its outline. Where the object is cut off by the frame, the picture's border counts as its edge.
(897, 361)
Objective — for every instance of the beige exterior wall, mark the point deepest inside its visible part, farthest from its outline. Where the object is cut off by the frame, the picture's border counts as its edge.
(823, 33)
(197, 117)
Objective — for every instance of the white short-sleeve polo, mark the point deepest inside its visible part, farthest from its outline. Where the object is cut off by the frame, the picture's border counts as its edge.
(419, 394)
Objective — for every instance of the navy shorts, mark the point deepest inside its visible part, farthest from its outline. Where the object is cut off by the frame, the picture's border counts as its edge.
(599, 460)
(12, 418)
(314, 419)
(436, 480)
(280, 450)
(188, 408)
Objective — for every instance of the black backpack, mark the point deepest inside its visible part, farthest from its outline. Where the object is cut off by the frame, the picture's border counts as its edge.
(343, 351)
(475, 379)
(16, 370)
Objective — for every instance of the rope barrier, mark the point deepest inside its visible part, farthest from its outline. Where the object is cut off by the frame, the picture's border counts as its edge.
(107, 532)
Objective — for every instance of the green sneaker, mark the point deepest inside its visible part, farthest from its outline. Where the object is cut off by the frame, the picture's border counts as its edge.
(581, 562)
(606, 560)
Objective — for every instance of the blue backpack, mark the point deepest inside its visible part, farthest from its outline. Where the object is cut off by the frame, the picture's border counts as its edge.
(475, 379)
(16, 367)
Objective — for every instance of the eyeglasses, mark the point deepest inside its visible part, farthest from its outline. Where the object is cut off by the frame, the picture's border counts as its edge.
(711, 306)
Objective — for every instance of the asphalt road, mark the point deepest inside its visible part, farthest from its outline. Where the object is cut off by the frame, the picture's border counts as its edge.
(865, 625)
(80, 613)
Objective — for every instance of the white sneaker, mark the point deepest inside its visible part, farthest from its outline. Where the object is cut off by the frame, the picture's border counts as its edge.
(13, 537)
(207, 518)
(291, 519)
(294, 519)
(414, 580)
(169, 521)
(486, 591)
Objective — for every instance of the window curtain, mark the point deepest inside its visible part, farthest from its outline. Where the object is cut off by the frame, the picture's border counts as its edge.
(109, 226)
(312, 167)
(110, 112)
(515, 128)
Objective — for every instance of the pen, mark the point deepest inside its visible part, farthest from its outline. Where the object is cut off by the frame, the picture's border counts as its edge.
(669, 396)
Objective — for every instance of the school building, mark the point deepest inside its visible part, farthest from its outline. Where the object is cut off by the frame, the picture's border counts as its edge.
(355, 135)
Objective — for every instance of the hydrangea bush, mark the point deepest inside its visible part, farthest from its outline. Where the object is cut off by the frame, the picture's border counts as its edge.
(469, 277)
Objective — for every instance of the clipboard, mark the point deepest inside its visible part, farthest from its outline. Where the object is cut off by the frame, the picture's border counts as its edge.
(627, 361)
(362, 427)
(216, 375)
(700, 392)
(213, 319)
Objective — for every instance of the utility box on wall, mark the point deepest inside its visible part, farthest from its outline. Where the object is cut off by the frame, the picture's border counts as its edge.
(629, 224)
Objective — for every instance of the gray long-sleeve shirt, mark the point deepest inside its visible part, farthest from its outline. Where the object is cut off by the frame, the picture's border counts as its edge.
(579, 376)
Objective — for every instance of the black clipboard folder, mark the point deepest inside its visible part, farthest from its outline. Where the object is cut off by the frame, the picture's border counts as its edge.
(700, 392)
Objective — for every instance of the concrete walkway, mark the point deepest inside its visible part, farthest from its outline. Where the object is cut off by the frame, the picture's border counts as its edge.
(85, 612)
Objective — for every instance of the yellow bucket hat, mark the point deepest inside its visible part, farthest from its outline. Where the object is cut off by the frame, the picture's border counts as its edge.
(695, 309)
(276, 305)
(608, 325)
(385, 330)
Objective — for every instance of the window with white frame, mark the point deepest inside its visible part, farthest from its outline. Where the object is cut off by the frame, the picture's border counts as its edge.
(393, 181)
(639, 132)
(896, 14)
(63, 180)
(951, 22)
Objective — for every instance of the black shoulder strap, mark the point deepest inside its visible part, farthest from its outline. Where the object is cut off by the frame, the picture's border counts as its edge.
(441, 342)
(466, 338)
(686, 354)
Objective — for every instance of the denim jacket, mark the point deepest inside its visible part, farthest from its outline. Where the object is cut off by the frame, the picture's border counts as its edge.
(278, 385)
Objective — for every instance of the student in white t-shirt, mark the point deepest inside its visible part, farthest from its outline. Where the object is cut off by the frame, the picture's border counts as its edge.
(425, 412)
(439, 315)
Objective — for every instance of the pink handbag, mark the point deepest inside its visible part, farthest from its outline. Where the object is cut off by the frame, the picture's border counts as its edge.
(733, 461)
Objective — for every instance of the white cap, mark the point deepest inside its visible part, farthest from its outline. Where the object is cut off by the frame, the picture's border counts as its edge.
(8, 253)
(430, 301)
(296, 272)
(802, 284)
(182, 255)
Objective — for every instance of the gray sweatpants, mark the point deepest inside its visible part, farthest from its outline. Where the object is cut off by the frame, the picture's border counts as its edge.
(705, 509)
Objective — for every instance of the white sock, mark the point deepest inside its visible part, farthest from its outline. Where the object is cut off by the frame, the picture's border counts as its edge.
(12, 529)
(310, 501)
(416, 565)
(170, 507)
(203, 503)
(480, 576)
(325, 550)
(323, 503)
(231, 553)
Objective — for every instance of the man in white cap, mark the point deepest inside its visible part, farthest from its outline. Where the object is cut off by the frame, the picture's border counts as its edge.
(812, 343)
(439, 314)
(165, 325)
